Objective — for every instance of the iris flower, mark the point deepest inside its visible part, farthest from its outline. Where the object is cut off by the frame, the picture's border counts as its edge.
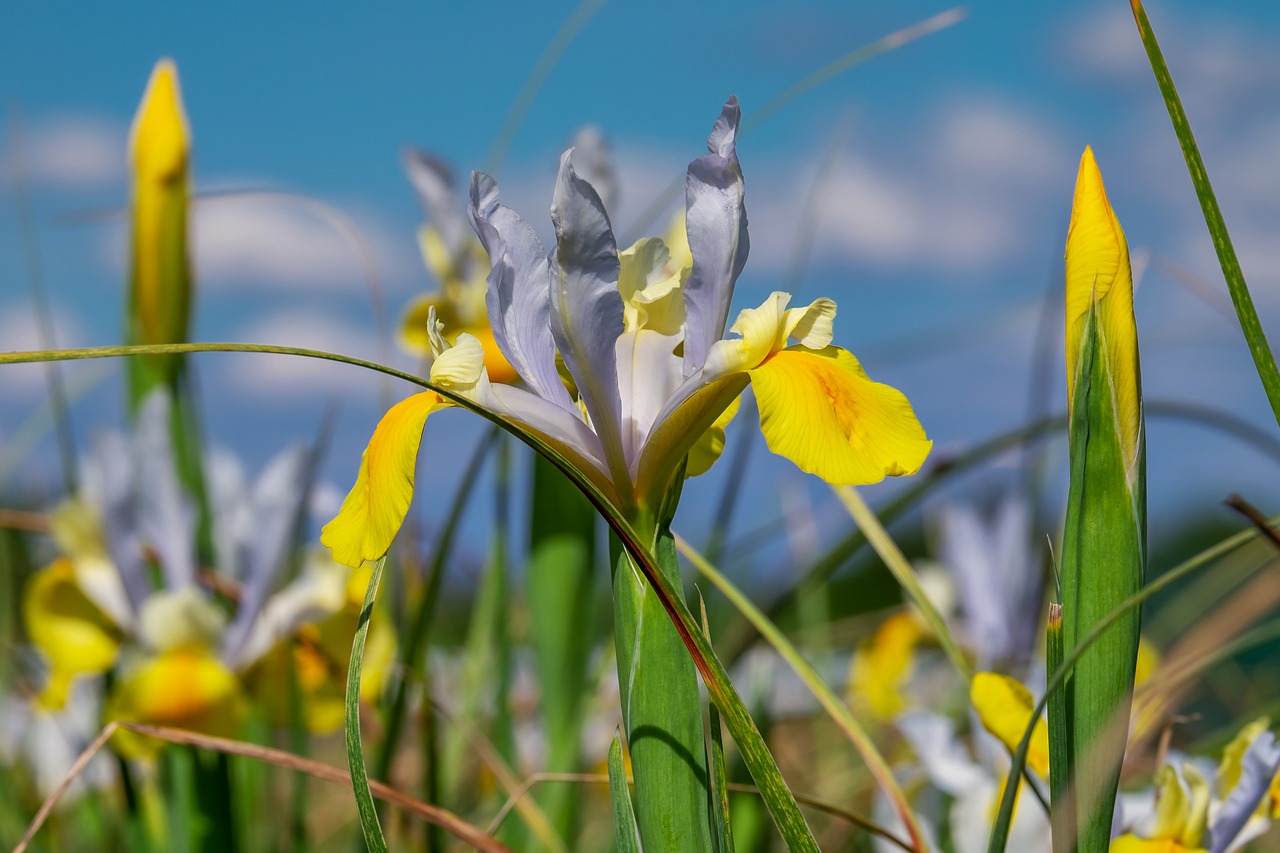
(1187, 817)
(179, 658)
(650, 364)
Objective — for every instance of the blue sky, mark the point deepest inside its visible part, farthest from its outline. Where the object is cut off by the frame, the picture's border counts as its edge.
(939, 226)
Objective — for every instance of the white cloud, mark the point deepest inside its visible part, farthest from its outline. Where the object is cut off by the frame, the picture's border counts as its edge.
(958, 203)
(71, 151)
(276, 243)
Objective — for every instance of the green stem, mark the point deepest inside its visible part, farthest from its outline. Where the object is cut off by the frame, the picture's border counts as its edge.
(660, 705)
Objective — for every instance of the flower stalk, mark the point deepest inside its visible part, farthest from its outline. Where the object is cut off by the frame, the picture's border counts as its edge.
(1104, 540)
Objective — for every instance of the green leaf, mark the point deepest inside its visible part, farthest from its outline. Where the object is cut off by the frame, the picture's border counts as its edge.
(721, 826)
(1103, 561)
(1062, 814)
(369, 825)
(1264, 360)
(661, 708)
(625, 831)
(560, 583)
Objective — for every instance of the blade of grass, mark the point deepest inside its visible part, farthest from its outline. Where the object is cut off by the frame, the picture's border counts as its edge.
(1061, 813)
(888, 550)
(58, 404)
(369, 825)
(625, 831)
(835, 708)
(1263, 358)
(721, 826)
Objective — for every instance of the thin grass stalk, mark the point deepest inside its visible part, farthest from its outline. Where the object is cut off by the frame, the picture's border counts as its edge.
(369, 825)
(58, 404)
(893, 558)
(831, 703)
(1264, 360)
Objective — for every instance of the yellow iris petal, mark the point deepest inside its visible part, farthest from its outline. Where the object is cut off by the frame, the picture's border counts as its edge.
(881, 666)
(709, 447)
(1097, 270)
(186, 688)
(376, 506)
(819, 409)
(1005, 707)
(68, 628)
(1231, 768)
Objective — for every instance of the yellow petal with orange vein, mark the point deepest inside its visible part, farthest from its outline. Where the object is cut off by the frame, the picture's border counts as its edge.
(819, 409)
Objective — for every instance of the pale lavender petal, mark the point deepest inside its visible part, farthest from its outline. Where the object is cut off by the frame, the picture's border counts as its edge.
(433, 180)
(940, 752)
(166, 516)
(562, 428)
(1261, 762)
(519, 295)
(109, 472)
(586, 310)
(996, 576)
(275, 505)
(716, 223)
(593, 161)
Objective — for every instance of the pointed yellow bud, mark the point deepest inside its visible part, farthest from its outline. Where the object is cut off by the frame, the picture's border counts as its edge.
(160, 275)
(159, 139)
(1098, 273)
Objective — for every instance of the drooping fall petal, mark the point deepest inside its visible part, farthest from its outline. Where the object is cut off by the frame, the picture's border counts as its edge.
(68, 628)
(1005, 707)
(376, 506)
(819, 409)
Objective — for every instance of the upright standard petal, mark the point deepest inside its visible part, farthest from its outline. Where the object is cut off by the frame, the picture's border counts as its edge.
(166, 515)
(716, 223)
(433, 180)
(519, 295)
(586, 309)
(274, 503)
